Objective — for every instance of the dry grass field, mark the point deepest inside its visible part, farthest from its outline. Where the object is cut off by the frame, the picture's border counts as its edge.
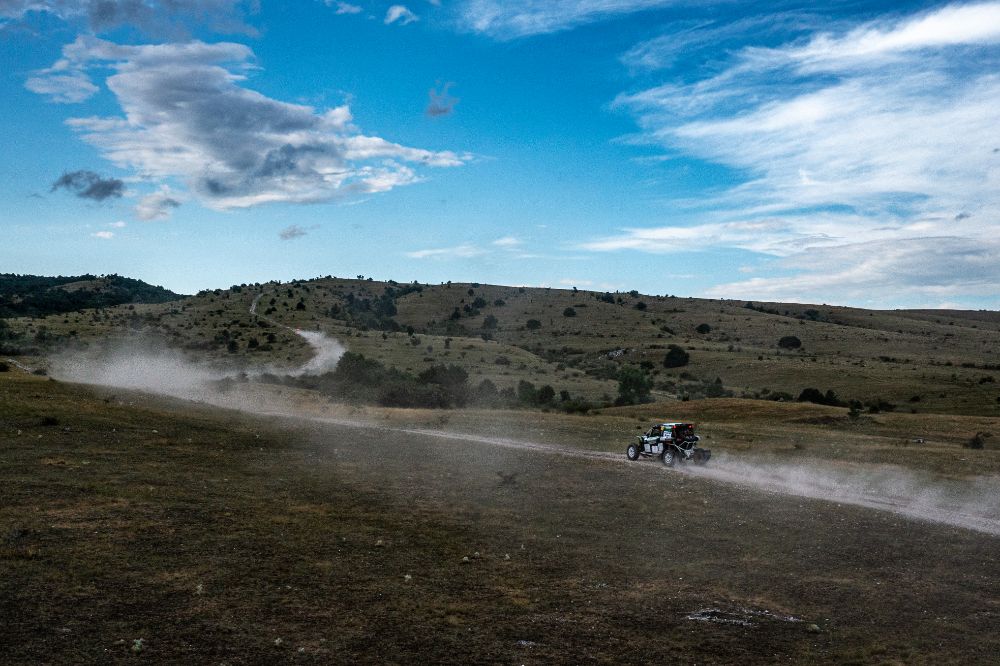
(141, 528)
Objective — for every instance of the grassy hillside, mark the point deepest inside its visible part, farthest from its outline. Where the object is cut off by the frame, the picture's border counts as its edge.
(577, 341)
(34, 295)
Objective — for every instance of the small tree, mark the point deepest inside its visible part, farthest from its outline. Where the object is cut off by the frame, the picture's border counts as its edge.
(634, 386)
(676, 357)
(526, 392)
(532, 324)
(703, 329)
(569, 312)
(490, 322)
(789, 342)
(813, 395)
(546, 395)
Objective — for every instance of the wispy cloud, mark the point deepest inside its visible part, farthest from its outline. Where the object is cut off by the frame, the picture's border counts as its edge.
(61, 88)
(88, 185)
(157, 205)
(187, 117)
(401, 14)
(103, 235)
(344, 7)
(508, 242)
(882, 274)
(698, 41)
(510, 19)
(463, 251)
(882, 132)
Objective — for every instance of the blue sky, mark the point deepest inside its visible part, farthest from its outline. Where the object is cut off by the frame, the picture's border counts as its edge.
(844, 153)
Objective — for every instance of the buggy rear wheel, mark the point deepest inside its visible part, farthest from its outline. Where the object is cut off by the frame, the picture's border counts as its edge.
(669, 457)
(632, 452)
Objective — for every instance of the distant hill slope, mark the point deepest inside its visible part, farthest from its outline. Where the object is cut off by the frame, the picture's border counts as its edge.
(577, 343)
(36, 295)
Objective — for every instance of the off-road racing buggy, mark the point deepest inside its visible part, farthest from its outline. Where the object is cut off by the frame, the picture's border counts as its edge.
(670, 442)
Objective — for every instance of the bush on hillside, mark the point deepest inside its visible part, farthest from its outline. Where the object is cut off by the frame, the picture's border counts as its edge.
(634, 386)
(676, 357)
(789, 342)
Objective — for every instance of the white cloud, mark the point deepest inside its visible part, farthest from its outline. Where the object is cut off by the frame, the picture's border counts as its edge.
(104, 235)
(463, 251)
(510, 19)
(954, 25)
(62, 88)
(158, 205)
(702, 40)
(399, 13)
(882, 274)
(117, 225)
(187, 116)
(344, 7)
(882, 133)
(508, 242)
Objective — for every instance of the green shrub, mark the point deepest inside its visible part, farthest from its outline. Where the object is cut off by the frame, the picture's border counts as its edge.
(818, 397)
(676, 357)
(634, 386)
(526, 392)
(789, 342)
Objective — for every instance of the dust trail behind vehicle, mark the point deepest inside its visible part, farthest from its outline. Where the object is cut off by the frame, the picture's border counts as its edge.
(970, 503)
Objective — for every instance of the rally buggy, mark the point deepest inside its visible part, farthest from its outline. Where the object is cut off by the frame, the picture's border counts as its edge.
(670, 442)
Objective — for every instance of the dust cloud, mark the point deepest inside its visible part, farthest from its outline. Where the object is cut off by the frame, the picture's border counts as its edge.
(973, 504)
(327, 353)
(145, 365)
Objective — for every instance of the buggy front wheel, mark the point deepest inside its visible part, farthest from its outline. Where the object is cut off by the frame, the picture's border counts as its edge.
(632, 452)
(669, 457)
